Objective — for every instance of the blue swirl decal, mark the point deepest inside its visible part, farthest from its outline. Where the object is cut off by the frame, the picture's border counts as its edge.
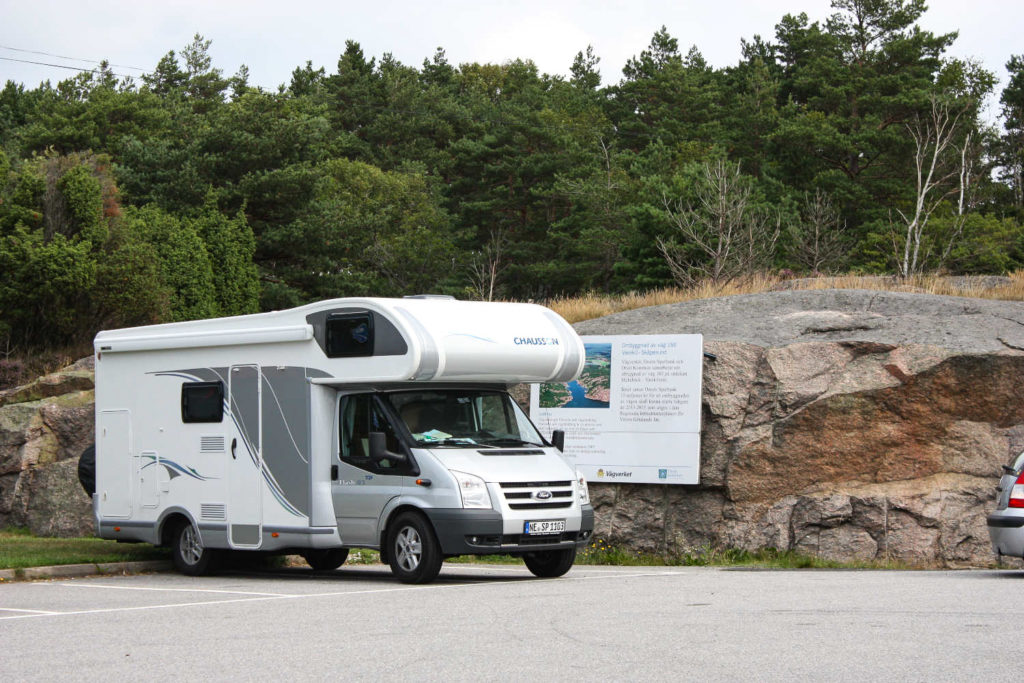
(174, 469)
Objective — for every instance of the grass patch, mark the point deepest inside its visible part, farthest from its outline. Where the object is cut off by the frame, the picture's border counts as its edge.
(363, 556)
(20, 549)
(589, 306)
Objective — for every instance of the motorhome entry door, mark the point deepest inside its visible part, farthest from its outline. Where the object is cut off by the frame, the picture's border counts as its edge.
(245, 517)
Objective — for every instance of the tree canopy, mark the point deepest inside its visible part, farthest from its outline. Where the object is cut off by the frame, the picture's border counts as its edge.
(189, 194)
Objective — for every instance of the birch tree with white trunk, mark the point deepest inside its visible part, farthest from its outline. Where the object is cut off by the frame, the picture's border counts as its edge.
(938, 164)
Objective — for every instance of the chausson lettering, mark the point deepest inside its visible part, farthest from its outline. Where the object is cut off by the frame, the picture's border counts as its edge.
(535, 341)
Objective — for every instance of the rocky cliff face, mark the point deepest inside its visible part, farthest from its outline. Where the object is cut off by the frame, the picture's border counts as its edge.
(44, 426)
(830, 429)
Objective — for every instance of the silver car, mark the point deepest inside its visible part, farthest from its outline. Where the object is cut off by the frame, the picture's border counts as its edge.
(1006, 524)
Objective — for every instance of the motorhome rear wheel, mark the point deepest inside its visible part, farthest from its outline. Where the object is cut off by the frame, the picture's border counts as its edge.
(325, 560)
(188, 554)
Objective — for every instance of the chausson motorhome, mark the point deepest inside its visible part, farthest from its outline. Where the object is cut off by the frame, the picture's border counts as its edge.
(350, 423)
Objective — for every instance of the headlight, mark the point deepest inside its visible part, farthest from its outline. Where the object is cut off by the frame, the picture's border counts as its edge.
(582, 491)
(473, 490)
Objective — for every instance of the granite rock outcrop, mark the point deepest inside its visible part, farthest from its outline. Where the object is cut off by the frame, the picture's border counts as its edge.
(851, 425)
(44, 427)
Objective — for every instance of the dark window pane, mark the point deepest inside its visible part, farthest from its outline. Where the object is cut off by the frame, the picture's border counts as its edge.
(360, 415)
(355, 444)
(202, 402)
(349, 335)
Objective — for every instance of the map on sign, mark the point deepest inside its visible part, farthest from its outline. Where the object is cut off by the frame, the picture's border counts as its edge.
(633, 414)
(592, 389)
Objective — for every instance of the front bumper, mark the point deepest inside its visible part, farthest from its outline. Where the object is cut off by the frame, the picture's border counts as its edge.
(1006, 531)
(480, 532)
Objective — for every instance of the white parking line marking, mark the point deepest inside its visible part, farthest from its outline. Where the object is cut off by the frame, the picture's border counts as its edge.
(369, 591)
(489, 568)
(31, 611)
(138, 609)
(170, 590)
(525, 572)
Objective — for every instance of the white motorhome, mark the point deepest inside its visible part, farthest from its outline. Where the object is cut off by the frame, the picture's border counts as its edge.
(350, 423)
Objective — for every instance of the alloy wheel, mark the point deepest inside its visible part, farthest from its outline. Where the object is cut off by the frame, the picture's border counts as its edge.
(190, 545)
(409, 547)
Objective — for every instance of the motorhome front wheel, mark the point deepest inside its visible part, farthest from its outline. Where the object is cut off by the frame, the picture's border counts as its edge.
(413, 550)
(550, 563)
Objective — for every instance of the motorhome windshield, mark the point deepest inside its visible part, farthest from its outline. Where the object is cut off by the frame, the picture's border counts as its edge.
(464, 417)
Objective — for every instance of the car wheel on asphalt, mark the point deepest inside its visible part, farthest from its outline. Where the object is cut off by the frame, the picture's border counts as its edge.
(325, 560)
(413, 551)
(550, 563)
(188, 553)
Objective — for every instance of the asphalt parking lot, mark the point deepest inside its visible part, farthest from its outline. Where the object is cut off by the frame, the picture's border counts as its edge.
(482, 622)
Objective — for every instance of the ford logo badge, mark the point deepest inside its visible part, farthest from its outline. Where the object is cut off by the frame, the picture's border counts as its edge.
(542, 495)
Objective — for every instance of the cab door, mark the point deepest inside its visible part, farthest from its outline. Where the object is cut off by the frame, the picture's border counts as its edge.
(363, 488)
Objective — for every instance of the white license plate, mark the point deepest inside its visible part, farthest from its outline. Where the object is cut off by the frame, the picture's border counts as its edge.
(546, 527)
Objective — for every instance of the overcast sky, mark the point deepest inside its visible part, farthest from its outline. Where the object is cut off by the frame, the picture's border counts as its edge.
(272, 38)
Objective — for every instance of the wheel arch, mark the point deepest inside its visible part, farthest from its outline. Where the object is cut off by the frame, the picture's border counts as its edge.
(171, 518)
(382, 536)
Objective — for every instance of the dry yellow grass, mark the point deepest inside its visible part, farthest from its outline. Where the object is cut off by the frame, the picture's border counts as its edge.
(590, 306)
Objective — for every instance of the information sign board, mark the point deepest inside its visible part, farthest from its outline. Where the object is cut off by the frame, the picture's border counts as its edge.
(633, 414)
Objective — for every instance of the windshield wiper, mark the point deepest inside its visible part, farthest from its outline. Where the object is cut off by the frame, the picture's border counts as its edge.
(454, 441)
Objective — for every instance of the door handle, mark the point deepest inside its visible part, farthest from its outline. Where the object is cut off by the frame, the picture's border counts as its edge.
(234, 442)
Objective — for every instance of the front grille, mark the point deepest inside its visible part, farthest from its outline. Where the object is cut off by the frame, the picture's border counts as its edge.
(551, 505)
(515, 495)
(533, 484)
(523, 495)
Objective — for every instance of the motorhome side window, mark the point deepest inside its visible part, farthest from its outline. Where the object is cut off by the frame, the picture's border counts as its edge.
(202, 402)
(361, 415)
(349, 335)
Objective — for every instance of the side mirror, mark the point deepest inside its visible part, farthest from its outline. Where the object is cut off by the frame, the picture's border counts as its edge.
(558, 439)
(379, 449)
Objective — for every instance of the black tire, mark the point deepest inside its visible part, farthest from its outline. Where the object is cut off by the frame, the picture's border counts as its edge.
(413, 551)
(325, 560)
(548, 564)
(87, 470)
(189, 555)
